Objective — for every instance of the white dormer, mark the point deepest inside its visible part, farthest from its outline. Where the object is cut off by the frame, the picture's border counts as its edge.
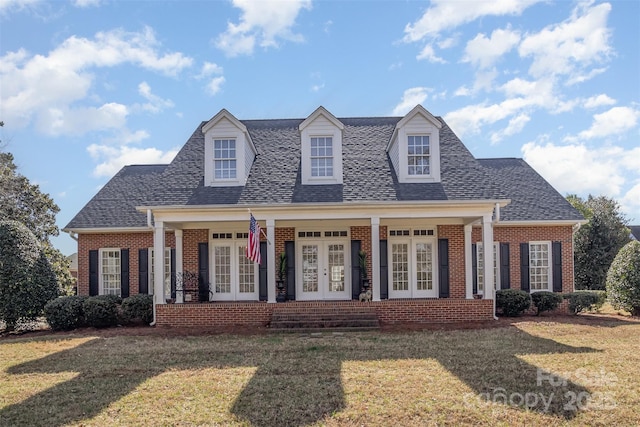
(414, 148)
(321, 141)
(228, 151)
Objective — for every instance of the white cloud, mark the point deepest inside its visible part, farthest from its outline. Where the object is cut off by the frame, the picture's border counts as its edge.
(429, 54)
(262, 23)
(411, 98)
(445, 14)
(209, 68)
(483, 52)
(215, 85)
(114, 158)
(7, 6)
(86, 3)
(53, 89)
(317, 88)
(616, 121)
(155, 104)
(576, 168)
(515, 126)
(598, 100)
(571, 46)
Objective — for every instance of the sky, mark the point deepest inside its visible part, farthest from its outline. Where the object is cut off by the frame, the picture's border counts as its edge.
(88, 86)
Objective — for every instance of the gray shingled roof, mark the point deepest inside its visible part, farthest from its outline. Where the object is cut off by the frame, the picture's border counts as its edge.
(635, 231)
(368, 175)
(115, 204)
(532, 197)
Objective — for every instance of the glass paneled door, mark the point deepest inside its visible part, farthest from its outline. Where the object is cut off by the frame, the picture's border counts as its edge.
(412, 272)
(322, 273)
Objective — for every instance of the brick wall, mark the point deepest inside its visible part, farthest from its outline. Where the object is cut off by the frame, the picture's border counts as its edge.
(217, 315)
(131, 241)
(516, 235)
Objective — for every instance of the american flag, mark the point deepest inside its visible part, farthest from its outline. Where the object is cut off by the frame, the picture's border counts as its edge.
(253, 244)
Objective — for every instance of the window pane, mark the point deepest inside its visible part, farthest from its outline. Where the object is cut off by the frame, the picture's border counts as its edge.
(224, 153)
(246, 272)
(424, 266)
(110, 272)
(400, 266)
(418, 155)
(321, 156)
(310, 268)
(222, 260)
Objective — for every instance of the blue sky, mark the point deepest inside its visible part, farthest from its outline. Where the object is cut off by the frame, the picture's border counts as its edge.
(88, 86)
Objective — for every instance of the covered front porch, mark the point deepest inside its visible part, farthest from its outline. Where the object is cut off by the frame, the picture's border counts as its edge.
(415, 252)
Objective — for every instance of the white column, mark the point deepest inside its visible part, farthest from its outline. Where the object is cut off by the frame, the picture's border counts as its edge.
(179, 295)
(375, 258)
(468, 262)
(487, 245)
(271, 261)
(158, 263)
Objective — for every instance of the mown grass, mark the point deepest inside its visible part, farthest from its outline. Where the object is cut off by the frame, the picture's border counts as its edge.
(369, 378)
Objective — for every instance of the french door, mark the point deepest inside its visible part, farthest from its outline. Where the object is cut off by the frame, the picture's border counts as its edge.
(235, 277)
(323, 271)
(412, 268)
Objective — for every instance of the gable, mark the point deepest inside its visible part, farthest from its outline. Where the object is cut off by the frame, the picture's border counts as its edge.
(321, 149)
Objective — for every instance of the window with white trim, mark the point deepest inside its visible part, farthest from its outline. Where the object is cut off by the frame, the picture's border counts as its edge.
(418, 155)
(234, 276)
(540, 266)
(110, 272)
(480, 264)
(322, 156)
(167, 271)
(224, 159)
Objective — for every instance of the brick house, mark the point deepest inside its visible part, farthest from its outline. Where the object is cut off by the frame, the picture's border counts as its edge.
(403, 190)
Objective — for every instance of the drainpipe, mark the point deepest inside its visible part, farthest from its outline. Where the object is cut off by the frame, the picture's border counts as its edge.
(150, 225)
(496, 219)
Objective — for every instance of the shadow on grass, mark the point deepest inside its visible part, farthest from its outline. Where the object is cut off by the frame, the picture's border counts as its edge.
(297, 382)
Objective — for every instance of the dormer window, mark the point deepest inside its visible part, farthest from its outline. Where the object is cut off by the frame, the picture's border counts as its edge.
(322, 156)
(418, 156)
(321, 148)
(224, 154)
(228, 151)
(414, 148)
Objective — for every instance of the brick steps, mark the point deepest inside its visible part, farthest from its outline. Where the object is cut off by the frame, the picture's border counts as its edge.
(324, 318)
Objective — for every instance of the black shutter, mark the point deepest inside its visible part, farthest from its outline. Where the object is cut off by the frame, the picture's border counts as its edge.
(556, 255)
(124, 273)
(384, 271)
(173, 273)
(505, 269)
(356, 246)
(290, 251)
(93, 273)
(143, 271)
(443, 267)
(262, 273)
(524, 266)
(474, 267)
(203, 272)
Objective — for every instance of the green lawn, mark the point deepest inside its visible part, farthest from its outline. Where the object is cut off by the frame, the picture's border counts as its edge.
(442, 377)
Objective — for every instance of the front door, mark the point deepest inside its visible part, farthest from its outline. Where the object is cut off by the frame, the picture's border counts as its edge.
(323, 270)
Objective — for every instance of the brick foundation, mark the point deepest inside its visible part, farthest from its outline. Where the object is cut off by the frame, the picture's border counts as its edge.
(258, 314)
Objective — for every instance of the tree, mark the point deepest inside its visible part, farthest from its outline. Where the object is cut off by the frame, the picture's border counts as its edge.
(24, 202)
(597, 242)
(623, 279)
(27, 281)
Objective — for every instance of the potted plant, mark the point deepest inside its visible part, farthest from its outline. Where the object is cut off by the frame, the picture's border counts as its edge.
(282, 278)
(362, 260)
